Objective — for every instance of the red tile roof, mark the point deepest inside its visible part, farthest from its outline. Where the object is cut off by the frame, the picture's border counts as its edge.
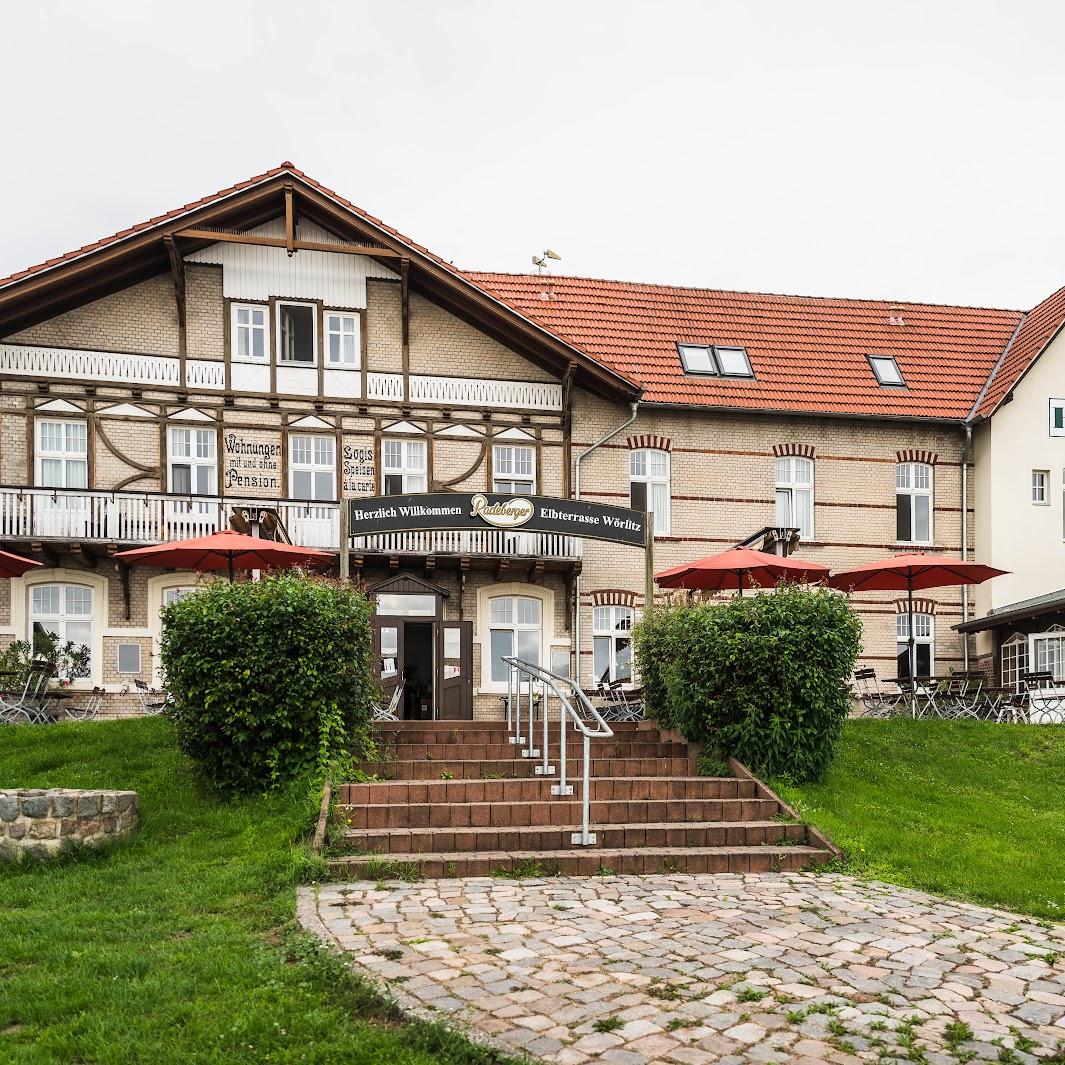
(808, 354)
(1039, 327)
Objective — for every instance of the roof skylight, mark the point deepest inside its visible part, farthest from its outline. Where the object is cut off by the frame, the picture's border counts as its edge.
(886, 371)
(711, 360)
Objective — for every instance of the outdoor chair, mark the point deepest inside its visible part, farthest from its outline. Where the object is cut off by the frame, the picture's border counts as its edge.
(89, 711)
(874, 701)
(960, 696)
(1046, 699)
(380, 711)
(28, 706)
(620, 704)
(152, 700)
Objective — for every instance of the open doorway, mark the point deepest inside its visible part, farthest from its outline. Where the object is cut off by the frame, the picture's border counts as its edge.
(418, 670)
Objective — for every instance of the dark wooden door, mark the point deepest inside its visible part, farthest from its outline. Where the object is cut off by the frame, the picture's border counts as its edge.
(454, 679)
(388, 650)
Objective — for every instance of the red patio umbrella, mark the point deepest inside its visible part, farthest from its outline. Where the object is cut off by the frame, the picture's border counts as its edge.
(910, 573)
(739, 568)
(225, 550)
(15, 565)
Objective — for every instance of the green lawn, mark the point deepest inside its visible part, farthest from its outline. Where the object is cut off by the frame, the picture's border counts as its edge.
(178, 945)
(967, 809)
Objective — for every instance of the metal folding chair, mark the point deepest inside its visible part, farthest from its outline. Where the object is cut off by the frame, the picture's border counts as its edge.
(961, 696)
(875, 702)
(620, 704)
(91, 708)
(1046, 699)
(28, 707)
(380, 711)
(152, 700)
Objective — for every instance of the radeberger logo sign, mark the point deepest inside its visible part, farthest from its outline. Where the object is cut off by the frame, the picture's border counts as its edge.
(508, 514)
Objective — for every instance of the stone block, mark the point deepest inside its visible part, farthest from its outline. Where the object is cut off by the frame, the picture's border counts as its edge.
(68, 826)
(8, 807)
(44, 830)
(108, 803)
(89, 805)
(35, 806)
(16, 830)
(62, 805)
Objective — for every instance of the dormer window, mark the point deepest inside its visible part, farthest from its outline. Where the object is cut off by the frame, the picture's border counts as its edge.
(886, 370)
(296, 340)
(713, 360)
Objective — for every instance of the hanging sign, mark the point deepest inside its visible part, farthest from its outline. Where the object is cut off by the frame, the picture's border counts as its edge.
(480, 510)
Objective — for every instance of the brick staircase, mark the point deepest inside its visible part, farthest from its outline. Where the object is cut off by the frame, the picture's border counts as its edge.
(457, 799)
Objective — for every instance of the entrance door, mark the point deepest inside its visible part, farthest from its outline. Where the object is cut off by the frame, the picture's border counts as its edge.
(405, 649)
(455, 679)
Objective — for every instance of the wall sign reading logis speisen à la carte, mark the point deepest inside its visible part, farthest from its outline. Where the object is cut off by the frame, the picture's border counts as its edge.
(467, 510)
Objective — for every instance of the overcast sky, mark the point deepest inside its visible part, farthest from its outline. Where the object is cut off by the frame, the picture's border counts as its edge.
(895, 150)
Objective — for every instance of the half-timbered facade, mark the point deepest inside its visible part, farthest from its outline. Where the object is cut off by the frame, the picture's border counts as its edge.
(257, 357)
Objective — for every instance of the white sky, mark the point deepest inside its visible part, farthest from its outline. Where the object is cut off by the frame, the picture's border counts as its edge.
(895, 150)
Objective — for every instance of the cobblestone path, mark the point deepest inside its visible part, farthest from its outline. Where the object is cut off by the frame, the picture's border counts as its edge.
(681, 969)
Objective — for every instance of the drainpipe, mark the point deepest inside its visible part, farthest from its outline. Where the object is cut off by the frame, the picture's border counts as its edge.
(965, 537)
(577, 495)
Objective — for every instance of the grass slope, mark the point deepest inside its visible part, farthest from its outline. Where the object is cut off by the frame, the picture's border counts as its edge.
(178, 945)
(969, 809)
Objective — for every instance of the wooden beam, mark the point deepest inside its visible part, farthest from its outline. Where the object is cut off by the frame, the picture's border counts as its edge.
(177, 274)
(404, 311)
(290, 222)
(344, 248)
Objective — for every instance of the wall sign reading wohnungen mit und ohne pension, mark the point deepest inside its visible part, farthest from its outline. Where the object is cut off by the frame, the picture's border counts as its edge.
(492, 510)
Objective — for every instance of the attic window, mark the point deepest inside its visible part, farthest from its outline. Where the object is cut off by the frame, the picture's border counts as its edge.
(711, 360)
(887, 371)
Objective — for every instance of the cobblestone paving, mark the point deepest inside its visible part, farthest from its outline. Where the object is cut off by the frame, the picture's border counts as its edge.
(786, 967)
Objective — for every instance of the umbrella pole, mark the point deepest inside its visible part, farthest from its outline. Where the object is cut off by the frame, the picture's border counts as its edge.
(912, 647)
(740, 581)
(229, 565)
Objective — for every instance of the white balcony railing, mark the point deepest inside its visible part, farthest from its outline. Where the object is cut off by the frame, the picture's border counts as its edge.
(153, 517)
(23, 360)
(466, 392)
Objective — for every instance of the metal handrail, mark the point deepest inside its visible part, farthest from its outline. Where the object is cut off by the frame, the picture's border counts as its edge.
(526, 674)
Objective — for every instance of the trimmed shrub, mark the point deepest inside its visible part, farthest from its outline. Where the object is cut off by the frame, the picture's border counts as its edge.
(269, 678)
(764, 678)
(651, 640)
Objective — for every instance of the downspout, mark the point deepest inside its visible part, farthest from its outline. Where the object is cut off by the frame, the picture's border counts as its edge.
(966, 455)
(577, 495)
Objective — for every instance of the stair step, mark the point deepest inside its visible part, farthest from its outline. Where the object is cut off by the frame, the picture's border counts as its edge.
(549, 812)
(606, 789)
(470, 752)
(461, 727)
(745, 833)
(581, 861)
(487, 768)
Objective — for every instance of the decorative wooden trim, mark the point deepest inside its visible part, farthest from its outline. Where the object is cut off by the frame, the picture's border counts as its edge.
(649, 440)
(916, 455)
(404, 310)
(920, 606)
(806, 451)
(613, 597)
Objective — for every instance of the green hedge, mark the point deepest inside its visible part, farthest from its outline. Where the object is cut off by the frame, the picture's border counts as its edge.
(764, 678)
(269, 678)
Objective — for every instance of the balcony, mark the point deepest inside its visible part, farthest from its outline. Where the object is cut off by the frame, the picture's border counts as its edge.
(486, 542)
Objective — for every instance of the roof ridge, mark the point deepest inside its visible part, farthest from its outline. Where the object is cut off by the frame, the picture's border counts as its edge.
(740, 292)
(998, 365)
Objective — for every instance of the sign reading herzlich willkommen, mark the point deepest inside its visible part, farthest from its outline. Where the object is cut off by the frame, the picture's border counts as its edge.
(480, 510)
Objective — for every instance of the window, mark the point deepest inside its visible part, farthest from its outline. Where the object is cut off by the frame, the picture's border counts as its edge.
(795, 495)
(513, 469)
(312, 467)
(193, 462)
(924, 644)
(403, 467)
(612, 643)
(1057, 417)
(514, 630)
(295, 332)
(342, 339)
(65, 610)
(1048, 653)
(886, 370)
(407, 604)
(913, 502)
(62, 454)
(129, 658)
(249, 332)
(1039, 486)
(1014, 662)
(649, 485)
(714, 360)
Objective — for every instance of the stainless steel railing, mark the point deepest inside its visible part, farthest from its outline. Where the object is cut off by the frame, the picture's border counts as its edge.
(526, 681)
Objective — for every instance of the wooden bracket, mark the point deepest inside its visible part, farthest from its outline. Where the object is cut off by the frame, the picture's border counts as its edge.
(404, 302)
(290, 222)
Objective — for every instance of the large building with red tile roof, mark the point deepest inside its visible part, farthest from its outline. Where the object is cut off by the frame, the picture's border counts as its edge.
(262, 356)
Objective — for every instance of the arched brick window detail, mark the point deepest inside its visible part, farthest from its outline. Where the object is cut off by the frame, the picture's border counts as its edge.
(613, 597)
(649, 440)
(920, 606)
(930, 458)
(806, 451)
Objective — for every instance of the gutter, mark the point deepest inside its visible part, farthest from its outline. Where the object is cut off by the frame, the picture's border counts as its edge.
(577, 495)
(965, 457)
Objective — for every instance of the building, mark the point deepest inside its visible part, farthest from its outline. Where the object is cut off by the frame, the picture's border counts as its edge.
(272, 349)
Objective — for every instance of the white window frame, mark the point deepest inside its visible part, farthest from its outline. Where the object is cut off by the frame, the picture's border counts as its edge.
(172, 593)
(789, 487)
(515, 625)
(609, 624)
(340, 363)
(1013, 661)
(69, 459)
(203, 455)
(314, 466)
(914, 493)
(709, 360)
(1057, 406)
(281, 360)
(118, 658)
(1041, 488)
(411, 472)
(924, 636)
(643, 456)
(506, 476)
(58, 620)
(1037, 662)
(235, 328)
